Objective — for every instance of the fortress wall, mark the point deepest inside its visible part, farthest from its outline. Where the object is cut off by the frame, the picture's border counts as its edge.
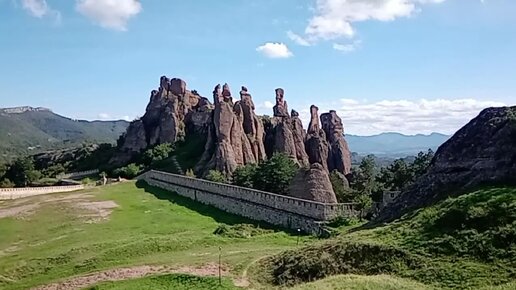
(275, 209)
(15, 193)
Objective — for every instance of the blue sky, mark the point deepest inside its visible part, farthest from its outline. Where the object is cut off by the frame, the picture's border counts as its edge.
(412, 66)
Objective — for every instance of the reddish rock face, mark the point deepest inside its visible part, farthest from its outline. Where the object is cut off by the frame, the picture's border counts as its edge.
(177, 87)
(339, 155)
(316, 144)
(298, 133)
(313, 184)
(164, 118)
(281, 108)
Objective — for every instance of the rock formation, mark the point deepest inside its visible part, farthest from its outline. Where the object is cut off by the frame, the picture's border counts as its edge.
(313, 184)
(339, 156)
(316, 144)
(483, 152)
(164, 120)
(285, 132)
(236, 138)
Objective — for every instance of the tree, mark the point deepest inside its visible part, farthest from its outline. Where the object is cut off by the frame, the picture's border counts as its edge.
(54, 170)
(158, 153)
(22, 172)
(275, 174)
(245, 175)
(363, 203)
(397, 175)
(422, 162)
(216, 176)
(364, 178)
(341, 187)
(130, 171)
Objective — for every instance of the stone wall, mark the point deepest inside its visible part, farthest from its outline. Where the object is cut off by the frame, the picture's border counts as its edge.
(15, 193)
(275, 209)
(78, 174)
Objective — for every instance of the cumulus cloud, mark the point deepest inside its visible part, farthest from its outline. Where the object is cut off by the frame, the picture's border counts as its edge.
(265, 105)
(334, 19)
(274, 50)
(405, 116)
(111, 14)
(40, 9)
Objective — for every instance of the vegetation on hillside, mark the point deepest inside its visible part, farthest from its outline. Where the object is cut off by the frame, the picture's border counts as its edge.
(36, 131)
(461, 243)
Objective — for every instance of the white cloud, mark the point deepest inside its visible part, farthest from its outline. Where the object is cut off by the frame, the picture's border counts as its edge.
(405, 116)
(274, 50)
(104, 116)
(297, 39)
(112, 14)
(40, 9)
(347, 47)
(334, 19)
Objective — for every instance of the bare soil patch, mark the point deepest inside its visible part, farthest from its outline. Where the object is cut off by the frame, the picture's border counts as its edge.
(131, 273)
(93, 211)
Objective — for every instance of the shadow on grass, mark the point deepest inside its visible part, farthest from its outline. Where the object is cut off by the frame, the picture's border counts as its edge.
(218, 215)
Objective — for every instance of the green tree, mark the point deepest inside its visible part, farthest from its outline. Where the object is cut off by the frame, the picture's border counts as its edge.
(397, 175)
(216, 176)
(22, 172)
(130, 171)
(158, 153)
(422, 162)
(3, 170)
(364, 178)
(244, 175)
(54, 170)
(341, 187)
(363, 203)
(275, 174)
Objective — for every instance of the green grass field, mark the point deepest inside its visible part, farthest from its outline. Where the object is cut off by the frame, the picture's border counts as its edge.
(149, 227)
(121, 230)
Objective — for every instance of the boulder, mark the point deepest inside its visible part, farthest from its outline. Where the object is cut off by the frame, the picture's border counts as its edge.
(313, 183)
(483, 152)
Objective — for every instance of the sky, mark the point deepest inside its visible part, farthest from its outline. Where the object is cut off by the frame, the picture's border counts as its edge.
(408, 66)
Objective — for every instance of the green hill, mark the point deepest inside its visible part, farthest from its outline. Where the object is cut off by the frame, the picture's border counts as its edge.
(32, 130)
(467, 242)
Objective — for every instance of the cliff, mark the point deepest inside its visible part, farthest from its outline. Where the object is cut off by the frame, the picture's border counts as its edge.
(483, 152)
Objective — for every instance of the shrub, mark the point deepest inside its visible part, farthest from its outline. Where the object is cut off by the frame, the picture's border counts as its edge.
(275, 174)
(245, 175)
(190, 173)
(216, 176)
(240, 231)
(6, 183)
(130, 171)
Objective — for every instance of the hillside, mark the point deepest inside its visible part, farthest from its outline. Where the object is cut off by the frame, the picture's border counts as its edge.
(395, 144)
(32, 130)
(466, 242)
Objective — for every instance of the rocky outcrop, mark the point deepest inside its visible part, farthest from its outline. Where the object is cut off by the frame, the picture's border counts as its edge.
(313, 184)
(316, 144)
(237, 135)
(285, 132)
(481, 153)
(339, 156)
(164, 119)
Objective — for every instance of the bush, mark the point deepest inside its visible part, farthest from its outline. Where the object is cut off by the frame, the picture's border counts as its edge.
(275, 174)
(130, 171)
(216, 176)
(240, 231)
(190, 173)
(245, 175)
(6, 183)
(158, 153)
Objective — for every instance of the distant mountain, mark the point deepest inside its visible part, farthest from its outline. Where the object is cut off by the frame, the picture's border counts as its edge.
(31, 130)
(395, 144)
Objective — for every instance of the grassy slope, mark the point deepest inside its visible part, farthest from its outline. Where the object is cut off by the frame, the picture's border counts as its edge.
(150, 226)
(467, 242)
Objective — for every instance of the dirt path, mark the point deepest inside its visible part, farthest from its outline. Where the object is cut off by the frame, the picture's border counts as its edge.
(120, 274)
